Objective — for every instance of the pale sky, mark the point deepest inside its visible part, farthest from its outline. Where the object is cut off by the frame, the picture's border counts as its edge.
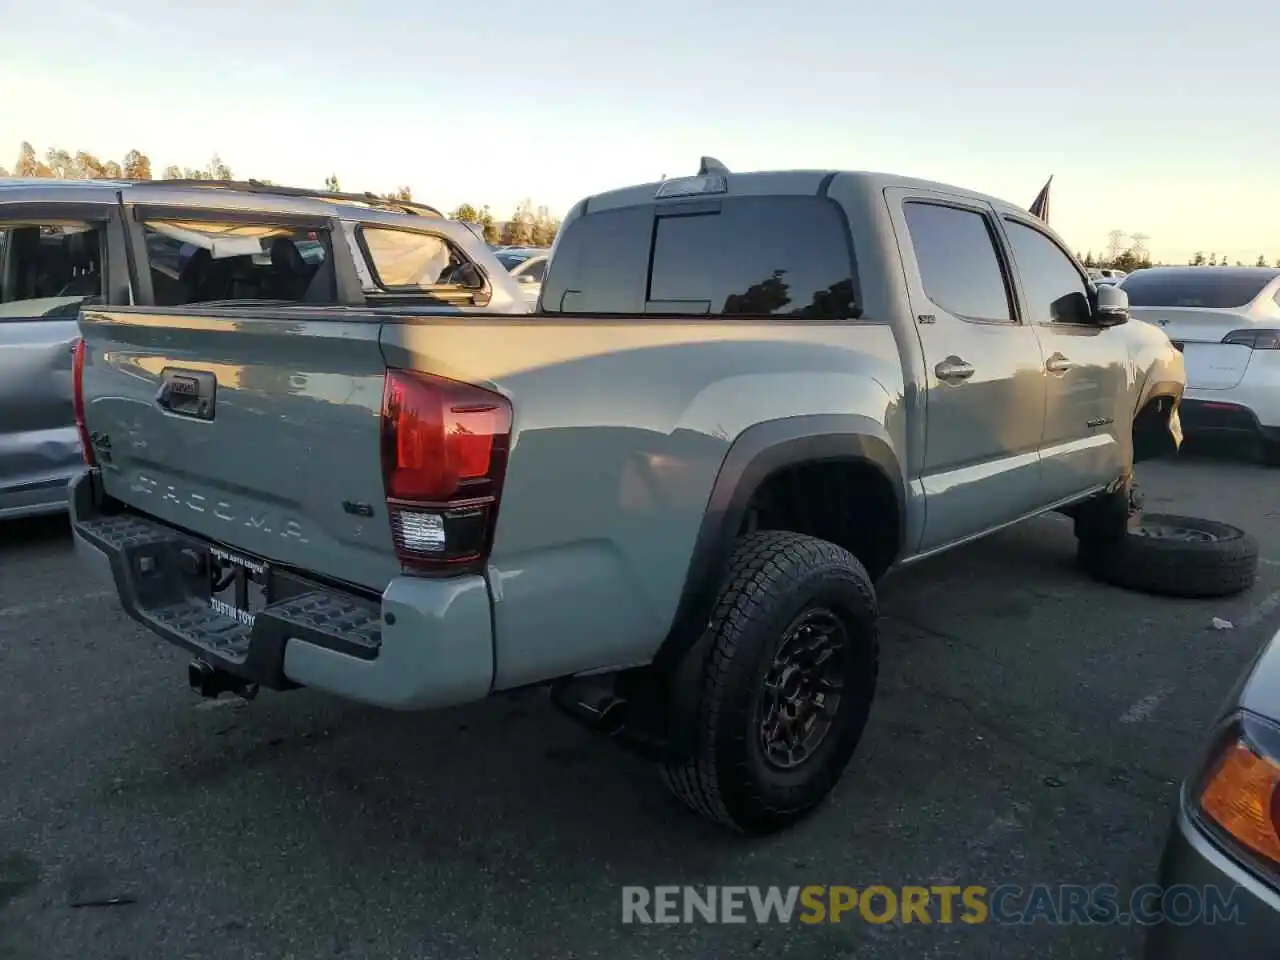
(1155, 118)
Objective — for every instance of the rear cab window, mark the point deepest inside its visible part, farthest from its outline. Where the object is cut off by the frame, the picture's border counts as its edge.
(734, 256)
(194, 261)
(1213, 288)
(49, 269)
(959, 265)
(417, 263)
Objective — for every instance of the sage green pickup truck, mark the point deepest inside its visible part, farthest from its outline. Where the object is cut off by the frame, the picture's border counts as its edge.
(666, 493)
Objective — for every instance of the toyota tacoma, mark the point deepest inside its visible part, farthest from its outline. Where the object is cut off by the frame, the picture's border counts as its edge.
(667, 493)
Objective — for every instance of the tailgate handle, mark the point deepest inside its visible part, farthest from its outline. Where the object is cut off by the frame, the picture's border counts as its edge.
(187, 393)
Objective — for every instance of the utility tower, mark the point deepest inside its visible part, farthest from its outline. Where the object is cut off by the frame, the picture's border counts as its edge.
(1115, 243)
(1139, 247)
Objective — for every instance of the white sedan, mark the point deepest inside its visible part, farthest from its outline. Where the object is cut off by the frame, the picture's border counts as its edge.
(528, 265)
(1226, 322)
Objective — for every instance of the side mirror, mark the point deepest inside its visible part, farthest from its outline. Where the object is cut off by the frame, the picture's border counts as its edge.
(1071, 308)
(1112, 306)
(525, 278)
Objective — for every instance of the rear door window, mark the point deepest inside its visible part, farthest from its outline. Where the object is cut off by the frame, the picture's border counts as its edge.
(405, 261)
(50, 269)
(739, 256)
(959, 266)
(195, 262)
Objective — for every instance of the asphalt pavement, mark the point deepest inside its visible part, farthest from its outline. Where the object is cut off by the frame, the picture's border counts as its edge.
(1031, 727)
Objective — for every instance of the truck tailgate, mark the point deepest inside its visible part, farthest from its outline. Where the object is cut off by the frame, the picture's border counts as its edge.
(258, 431)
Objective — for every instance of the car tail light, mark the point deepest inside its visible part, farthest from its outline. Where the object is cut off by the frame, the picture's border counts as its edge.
(77, 400)
(1255, 339)
(1239, 793)
(444, 458)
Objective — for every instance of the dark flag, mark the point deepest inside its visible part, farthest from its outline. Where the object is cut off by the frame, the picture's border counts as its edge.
(1040, 205)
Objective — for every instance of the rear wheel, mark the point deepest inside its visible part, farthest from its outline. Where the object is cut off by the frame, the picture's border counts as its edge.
(1175, 556)
(786, 686)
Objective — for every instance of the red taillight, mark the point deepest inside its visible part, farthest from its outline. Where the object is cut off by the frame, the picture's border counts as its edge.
(77, 400)
(444, 456)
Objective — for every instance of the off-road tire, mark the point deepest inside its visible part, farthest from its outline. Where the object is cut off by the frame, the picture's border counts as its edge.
(1222, 566)
(773, 577)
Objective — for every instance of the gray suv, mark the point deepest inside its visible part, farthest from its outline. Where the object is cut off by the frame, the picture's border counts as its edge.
(63, 246)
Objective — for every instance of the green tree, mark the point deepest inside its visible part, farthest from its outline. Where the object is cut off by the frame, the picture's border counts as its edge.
(137, 166)
(1262, 261)
(86, 166)
(466, 213)
(112, 170)
(518, 231)
(28, 165)
(172, 172)
(400, 193)
(491, 232)
(1127, 261)
(545, 227)
(1198, 259)
(59, 162)
(1089, 261)
(219, 170)
(331, 183)
(3, 172)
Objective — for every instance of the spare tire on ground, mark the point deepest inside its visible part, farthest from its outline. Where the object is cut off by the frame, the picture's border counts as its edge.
(1174, 557)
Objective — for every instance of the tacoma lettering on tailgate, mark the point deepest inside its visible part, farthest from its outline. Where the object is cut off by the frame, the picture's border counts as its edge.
(266, 521)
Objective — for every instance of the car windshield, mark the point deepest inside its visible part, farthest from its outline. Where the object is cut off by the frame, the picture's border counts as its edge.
(1209, 287)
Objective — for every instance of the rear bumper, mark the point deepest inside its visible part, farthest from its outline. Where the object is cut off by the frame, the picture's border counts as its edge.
(1221, 414)
(1252, 406)
(422, 644)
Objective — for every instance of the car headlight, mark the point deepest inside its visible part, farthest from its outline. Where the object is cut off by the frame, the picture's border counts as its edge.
(1237, 795)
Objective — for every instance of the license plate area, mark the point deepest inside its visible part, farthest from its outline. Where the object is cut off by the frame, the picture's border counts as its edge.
(238, 585)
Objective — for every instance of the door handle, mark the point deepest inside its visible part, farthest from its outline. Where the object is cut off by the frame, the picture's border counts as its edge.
(1058, 364)
(953, 370)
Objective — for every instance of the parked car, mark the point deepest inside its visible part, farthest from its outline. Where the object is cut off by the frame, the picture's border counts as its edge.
(47, 272)
(54, 237)
(1106, 274)
(528, 265)
(1225, 835)
(1226, 322)
(668, 494)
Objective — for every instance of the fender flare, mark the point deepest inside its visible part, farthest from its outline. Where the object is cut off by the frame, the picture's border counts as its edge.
(1146, 444)
(754, 455)
(1160, 388)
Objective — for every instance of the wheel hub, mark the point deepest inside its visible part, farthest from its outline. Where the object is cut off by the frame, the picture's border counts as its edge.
(1164, 531)
(802, 689)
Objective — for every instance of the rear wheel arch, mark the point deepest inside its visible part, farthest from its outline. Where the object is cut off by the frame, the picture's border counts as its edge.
(1151, 437)
(764, 455)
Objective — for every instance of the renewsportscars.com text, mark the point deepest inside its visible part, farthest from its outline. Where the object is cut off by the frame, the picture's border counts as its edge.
(1007, 904)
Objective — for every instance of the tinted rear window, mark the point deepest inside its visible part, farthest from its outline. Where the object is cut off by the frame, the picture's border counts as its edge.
(749, 256)
(1211, 287)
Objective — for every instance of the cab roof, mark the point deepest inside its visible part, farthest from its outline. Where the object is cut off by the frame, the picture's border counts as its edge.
(788, 183)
